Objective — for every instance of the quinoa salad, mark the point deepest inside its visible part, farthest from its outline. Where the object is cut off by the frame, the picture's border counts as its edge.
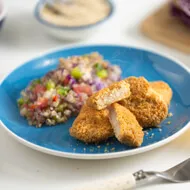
(60, 94)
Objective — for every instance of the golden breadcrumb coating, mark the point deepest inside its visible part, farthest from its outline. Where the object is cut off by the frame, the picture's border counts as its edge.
(147, 105)
(113, 93)
(163, 89)
(138, 87)
(126, 127)
(91, 125)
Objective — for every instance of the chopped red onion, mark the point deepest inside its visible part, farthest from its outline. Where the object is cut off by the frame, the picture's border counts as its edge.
(184, 6)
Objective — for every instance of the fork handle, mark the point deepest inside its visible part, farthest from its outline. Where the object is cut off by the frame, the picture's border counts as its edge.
(124, 182)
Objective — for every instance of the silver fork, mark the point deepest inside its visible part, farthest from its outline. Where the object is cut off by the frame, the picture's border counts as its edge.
(177, 174)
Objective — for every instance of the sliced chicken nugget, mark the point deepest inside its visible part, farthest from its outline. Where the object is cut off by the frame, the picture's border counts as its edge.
(91, 125)
(126, 128)
(147, 105)
(114, 93)
(163, 89)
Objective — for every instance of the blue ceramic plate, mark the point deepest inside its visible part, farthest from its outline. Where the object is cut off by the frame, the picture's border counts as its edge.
(57, 141)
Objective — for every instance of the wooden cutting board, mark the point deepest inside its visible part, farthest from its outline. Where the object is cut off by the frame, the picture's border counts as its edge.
(168, 30)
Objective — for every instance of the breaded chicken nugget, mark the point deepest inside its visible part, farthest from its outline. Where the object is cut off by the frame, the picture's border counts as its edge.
(163, 89)
(138, 86)
(126, 128)
(113, 93)
(91, 125)
(147, 105)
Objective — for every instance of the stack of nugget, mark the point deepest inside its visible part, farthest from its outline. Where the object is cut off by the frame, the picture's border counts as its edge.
(92, 124)
(123, 109)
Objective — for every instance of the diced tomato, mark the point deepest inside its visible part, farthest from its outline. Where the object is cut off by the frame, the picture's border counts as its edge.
(55, 98)
(39, 89)
(80, 98)
(76, 89)
(83, 89)
(32, 106)
(25, 106)
(42, 103)
(66, 81)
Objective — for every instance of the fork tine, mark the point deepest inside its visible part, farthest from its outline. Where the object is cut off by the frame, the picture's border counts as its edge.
(181, 171)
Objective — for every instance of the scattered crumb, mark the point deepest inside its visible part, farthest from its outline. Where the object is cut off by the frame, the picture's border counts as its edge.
(160, 129)
(113, 149)
(151, 136)
(169, 122)
(170, 114)
(84, 149)
(106, 150)
(146, 132)
(98, 146)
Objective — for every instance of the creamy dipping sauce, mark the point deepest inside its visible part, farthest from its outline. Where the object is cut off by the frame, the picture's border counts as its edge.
(77, 13)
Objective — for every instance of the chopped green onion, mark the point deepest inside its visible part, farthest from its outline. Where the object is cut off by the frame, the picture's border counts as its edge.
(54, 118)
(98, 67)
(50, 85)
(76, 73)
(60, 108)
(102, 73)
(63, 90)
(20, 101)
(36, 81)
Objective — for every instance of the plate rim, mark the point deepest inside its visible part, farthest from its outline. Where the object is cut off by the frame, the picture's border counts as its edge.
(99, 155)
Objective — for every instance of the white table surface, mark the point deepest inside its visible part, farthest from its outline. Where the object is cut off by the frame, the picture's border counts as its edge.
(23, 168)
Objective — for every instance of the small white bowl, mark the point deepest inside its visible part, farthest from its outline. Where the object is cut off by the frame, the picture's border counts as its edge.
(70, 32)
(3, 13)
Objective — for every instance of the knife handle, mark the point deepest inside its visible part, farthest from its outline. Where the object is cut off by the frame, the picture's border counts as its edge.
(124, 182)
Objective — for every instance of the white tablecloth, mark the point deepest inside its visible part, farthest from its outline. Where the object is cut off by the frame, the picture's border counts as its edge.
(23, 168)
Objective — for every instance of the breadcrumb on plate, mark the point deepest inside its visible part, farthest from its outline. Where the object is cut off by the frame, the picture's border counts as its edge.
(126, 128)
(113, 93)
(91, 125)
